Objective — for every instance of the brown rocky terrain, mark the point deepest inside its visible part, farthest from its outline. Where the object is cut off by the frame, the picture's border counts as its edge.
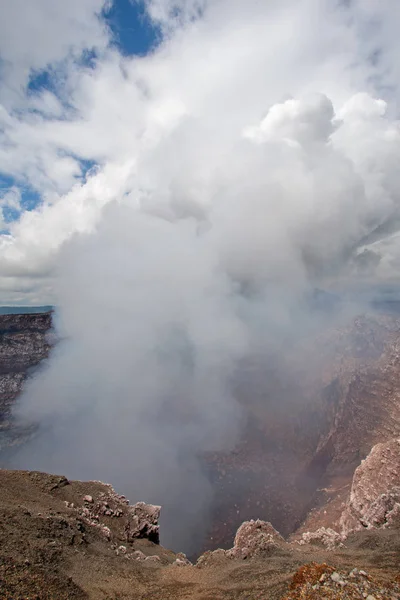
(367, 412)
(65, 539)
(318, 462)
(313, 416)
(374, 499)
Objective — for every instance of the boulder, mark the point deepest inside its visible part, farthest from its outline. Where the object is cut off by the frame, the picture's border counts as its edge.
(144, 522)
(323, 536)
(254, 538)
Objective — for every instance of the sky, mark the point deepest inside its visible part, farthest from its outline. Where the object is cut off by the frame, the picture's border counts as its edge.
(177, 178)
(93, 91)
(45, 47)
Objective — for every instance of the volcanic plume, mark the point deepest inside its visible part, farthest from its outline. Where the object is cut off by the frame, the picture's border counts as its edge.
(231, 228)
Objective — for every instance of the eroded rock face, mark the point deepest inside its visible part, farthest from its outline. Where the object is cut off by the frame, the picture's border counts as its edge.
(315, 411)
(66, 540)
(374, 500)
(375, 491)
(140, 520)
(25, 340)
(144, 523)
(304, 422)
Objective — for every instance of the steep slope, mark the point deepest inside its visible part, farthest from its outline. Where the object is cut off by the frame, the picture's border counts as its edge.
(314, 410)
(65, 539)
(24, 343)
(61, 539)
(313, 414)
(365, 412)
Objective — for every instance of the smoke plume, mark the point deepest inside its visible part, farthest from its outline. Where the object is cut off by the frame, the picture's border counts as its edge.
(230, 209)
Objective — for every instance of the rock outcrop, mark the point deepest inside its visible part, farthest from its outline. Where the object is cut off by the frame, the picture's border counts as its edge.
(66, 540)
(374, 500)
(314, 412)
(308, 428)
(323, 536)
(255, 538)
(252, 539)
(25, 340)
(375, 492)
(144, 522)
(140, 520)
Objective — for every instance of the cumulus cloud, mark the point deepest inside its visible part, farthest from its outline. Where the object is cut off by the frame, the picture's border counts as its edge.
(9, 198)
(37, 34)
(247, 160)
(216, 69)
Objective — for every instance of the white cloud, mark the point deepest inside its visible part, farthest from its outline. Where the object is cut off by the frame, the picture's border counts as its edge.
(173, 14)
(35, 35)
(222, 67)
(298, 122)
(11, 197)
(252, 156)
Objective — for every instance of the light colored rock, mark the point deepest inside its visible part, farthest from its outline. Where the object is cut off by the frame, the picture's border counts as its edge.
(141, 519)
(182, 560)
(327, 537)
(213, 557)
(105, 531)
(153, 558)
(375, 492)
(255, 538)
(179, 563)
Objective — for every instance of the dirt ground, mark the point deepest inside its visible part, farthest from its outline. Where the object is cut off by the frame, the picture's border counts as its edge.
(49, 551)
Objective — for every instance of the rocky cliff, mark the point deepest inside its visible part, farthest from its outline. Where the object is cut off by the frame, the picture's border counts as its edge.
(65, 539)
(318, 462)
(24, 343)
(313, 415)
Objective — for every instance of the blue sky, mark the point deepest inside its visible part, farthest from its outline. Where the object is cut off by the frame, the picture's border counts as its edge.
(164, 104)
(133, 34)
(132, 29)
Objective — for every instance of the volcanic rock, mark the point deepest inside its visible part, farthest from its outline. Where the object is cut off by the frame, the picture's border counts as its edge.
(314, 581)
(144, 522)
(375, 492)
(324, 536)
(313, 413)
(254, 538)
(53, 548)
(25, 340)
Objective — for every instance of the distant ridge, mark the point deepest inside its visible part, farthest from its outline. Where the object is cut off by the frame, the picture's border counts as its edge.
(23, 310)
